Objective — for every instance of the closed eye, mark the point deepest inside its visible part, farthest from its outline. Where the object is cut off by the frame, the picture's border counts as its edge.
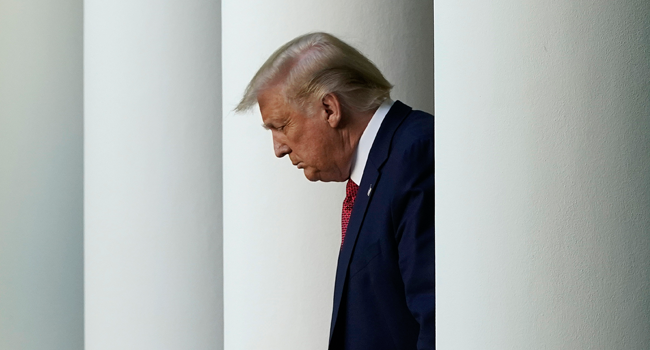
(271, 127)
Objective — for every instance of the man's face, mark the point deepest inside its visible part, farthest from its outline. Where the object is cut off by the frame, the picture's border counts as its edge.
(311, 142)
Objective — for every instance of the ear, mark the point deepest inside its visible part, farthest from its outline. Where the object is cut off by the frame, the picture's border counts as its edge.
(332, 109)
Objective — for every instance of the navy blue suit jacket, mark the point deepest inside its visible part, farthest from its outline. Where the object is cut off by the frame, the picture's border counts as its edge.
(385, 282)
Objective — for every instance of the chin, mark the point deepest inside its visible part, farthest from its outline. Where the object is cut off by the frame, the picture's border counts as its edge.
(312, 177)
(317, 176)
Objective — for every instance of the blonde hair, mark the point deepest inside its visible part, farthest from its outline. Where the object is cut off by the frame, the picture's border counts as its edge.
(314, 65)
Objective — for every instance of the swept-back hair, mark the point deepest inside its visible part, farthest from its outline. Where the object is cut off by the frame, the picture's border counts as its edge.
(314, 65)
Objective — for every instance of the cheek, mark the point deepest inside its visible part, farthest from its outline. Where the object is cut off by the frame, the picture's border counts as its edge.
(313, 143)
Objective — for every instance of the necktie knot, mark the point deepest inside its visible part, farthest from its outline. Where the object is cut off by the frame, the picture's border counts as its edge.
(351, 190)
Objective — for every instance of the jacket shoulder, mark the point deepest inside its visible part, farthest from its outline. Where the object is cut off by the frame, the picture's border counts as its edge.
(417, 127)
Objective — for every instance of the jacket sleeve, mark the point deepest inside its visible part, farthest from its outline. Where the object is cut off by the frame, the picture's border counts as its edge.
(413, 214)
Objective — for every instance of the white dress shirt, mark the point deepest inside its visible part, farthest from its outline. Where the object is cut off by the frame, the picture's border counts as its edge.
(365, 142)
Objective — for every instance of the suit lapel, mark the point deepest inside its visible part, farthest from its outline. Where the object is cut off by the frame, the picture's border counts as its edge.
(371, 175)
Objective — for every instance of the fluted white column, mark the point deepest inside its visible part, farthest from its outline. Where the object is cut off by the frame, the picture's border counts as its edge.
(153, 276)
(282, 232)
(543, 174)
(41, 175)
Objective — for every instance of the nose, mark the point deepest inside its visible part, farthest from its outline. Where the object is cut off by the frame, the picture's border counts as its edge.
(281, 149)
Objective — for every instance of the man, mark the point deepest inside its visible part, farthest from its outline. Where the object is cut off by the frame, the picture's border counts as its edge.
(329, 109)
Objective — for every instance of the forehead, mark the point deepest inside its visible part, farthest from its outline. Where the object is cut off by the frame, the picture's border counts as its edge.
(275, 108)
(271, 103)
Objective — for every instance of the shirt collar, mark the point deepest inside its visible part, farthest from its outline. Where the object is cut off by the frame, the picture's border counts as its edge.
(365, 142)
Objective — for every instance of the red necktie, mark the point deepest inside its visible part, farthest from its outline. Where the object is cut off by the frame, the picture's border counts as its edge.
(350, 194)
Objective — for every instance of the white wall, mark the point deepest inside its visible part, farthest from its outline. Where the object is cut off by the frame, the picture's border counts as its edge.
(543, 174)
(282, 232)
(41, 174)
(153, 269)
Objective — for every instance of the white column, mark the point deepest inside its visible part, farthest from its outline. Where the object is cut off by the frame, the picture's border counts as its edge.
(282, 233)
(41, 175)
(543, 174)
(153, 275)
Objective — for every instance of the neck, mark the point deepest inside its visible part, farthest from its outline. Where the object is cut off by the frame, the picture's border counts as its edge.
(356, 125)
